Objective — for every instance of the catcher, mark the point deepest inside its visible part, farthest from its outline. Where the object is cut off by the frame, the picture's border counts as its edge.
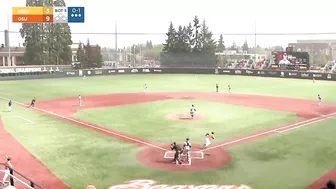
(178, 152)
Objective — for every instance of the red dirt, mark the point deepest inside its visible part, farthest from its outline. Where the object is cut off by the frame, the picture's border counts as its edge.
(213, 159)
(26, 163)
(185, 116)
(321, 182)
(303, 108)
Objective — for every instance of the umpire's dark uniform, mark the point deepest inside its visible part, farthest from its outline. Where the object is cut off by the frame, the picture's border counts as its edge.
(178, 151)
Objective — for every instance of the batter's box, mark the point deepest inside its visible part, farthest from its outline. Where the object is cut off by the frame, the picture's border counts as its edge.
(193, 155)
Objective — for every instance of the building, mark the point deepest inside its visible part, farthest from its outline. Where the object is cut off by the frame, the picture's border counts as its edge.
(315, 46)
(16, 55)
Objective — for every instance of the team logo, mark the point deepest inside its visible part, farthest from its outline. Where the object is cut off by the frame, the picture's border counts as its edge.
(90, 187)
(151, 184)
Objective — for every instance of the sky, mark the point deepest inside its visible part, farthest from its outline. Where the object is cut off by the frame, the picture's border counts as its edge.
(222, 17)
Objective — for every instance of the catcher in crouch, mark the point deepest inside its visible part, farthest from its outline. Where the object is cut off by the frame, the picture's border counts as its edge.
(186, 149)
(208, 138)
(178, 152)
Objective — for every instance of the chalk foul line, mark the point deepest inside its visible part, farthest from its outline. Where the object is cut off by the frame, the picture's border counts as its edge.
(278, 130)
(275, 131)
(90, 126)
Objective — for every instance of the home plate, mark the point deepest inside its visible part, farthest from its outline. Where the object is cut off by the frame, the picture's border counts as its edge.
(185, 96)
(323, 115)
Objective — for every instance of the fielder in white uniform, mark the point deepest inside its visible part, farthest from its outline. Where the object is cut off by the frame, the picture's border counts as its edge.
(319, 99)
(186, 149)
(80, 100)
(145, 88)
(7, 172)
(208, 138)
(192, 111)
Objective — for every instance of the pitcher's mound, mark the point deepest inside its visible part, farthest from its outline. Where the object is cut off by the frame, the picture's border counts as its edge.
(185, 116)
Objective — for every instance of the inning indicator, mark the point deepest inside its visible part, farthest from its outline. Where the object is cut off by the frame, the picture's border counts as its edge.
(60, 15)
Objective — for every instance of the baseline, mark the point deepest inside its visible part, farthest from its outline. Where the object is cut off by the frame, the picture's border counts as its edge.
(275, 131)
(88, 125)
(20, 117)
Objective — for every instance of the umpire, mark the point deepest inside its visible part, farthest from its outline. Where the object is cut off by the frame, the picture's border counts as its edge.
(178, 151)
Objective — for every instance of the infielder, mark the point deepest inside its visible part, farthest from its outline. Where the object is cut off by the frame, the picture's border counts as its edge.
(10, 106)
(319, 99)
(7, 172)
(192, 111)
(80, 100)
(208, 138)
(145, 88)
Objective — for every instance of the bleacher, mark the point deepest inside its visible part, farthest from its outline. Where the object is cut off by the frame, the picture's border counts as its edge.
(330, 67)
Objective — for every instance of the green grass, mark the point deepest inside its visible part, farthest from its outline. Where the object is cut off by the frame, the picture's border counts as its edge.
(80, 156)
(147, 120)
(58, 88)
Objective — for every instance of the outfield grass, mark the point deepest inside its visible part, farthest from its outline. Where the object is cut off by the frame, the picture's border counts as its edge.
(58, 88)
(147, 120)
(79, 156)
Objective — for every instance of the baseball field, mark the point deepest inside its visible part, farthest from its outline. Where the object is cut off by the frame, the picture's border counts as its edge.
(270, 133)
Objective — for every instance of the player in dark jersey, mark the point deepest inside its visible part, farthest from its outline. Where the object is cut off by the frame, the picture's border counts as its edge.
(10, 106)
(319, 99)
(229, 88)
(32, 104)
(217, 87)
(178, 151)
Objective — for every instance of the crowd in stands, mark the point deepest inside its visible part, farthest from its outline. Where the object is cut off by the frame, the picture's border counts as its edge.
(247, 64)
(265, 64)
(330, 67)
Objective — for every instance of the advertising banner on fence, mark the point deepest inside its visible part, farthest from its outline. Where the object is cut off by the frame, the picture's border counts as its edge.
(6, 72)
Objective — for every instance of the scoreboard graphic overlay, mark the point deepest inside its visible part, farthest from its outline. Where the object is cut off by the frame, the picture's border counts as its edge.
(48, 15)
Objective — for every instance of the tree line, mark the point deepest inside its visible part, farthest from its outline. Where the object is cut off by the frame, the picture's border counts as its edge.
(196, 37)
(48, 43)
(89, 56)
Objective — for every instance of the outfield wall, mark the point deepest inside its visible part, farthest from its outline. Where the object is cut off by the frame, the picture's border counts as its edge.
(124, 71)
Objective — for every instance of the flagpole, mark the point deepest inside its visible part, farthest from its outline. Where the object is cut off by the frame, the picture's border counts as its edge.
(9, 50)
(255, 41)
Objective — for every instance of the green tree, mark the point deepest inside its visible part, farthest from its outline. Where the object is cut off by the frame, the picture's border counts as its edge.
(234, 46)
(88, 62)
(220, 44)
(149, 45)
(81, 56)
(245, 46)
(171, 38)
(97, 57)
(181, 44)
(46, 43)
(197, 47)
(189, 35)
(208, 43)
